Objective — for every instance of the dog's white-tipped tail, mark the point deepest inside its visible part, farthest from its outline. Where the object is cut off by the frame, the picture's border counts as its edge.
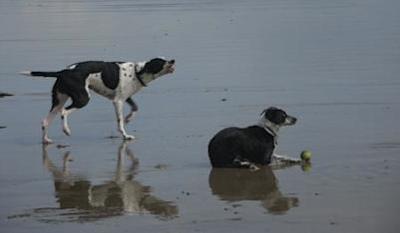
(26, 73)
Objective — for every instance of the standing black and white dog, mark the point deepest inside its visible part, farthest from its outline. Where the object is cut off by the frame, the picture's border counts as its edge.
(117, 81)
(244, 147)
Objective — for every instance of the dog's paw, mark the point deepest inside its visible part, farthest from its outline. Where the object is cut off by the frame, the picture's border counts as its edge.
(129, 137)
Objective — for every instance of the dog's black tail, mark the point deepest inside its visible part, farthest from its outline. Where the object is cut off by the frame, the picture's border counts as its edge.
(41, 73)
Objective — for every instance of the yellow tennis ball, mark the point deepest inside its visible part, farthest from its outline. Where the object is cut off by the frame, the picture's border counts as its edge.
(305, 155)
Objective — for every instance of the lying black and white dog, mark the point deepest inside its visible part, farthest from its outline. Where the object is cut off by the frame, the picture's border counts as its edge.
(244, 147)
(117, 81)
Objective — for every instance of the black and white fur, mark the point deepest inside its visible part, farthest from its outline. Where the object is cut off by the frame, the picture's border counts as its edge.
(244, 147)
(117, 81)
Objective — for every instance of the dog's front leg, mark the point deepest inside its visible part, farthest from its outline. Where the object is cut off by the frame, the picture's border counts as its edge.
(285, 159)
(118, 105)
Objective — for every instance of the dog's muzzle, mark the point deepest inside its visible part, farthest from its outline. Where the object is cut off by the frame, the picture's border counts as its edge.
(171, 66)
(290, 120)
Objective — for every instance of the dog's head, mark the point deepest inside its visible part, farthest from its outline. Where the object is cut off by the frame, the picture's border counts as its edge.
(156, 67)
(278, 117)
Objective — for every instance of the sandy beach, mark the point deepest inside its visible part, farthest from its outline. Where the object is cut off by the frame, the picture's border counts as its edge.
(332, 64)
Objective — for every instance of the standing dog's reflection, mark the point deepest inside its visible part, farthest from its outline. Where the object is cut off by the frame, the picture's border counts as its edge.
(120, 195)
(234, 185)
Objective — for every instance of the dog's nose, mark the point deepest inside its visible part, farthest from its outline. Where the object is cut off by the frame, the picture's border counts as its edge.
(172, 62)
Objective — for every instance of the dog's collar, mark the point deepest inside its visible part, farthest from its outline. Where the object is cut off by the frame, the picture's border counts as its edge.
(137, 75)
(270, 128)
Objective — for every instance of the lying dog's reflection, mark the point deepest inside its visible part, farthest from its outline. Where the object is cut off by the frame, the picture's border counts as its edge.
(234, 185)
(120, 195)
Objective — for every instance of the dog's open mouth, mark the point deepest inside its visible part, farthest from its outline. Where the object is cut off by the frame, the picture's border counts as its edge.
(171, 68)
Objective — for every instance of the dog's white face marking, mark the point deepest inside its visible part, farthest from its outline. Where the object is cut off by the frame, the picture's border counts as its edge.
(278, 117)
(289, 120)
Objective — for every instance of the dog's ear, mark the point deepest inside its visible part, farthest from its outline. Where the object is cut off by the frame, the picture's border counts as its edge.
(268, 110)
(275, 115)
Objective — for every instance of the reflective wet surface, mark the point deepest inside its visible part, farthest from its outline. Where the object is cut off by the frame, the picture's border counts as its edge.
(120, 195)
(236, 185)
(331, 64)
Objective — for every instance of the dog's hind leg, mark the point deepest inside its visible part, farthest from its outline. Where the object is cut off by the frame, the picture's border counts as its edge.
(45, 125)
(64, 117)
(58, 101)
(78, 101)
(118, 105)
(134, 109)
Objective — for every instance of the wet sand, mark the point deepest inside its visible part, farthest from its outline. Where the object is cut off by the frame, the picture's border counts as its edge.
(332, 64)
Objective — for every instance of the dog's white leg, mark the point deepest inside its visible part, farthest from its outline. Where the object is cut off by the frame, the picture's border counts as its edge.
(118, 105)
(245, 163)
(58, 103)
(284, 158)
(64, 117)
(45, 125)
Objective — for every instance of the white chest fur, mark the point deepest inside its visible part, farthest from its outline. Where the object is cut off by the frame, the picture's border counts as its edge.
(128, 84)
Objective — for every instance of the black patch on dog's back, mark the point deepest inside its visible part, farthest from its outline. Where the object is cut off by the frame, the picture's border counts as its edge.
(109, 71)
